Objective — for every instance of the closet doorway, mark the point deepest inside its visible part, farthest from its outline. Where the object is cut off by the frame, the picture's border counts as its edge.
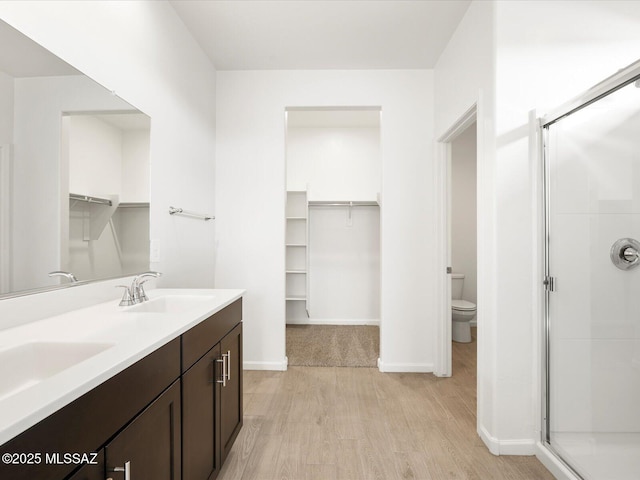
(333, 184)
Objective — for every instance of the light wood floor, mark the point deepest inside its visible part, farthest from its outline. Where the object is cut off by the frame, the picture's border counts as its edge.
(357, 423)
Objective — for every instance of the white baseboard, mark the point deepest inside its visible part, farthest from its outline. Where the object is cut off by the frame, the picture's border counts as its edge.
(334, 321)
(551, 463)
(524, 446)
(278, 366)
(404, 367)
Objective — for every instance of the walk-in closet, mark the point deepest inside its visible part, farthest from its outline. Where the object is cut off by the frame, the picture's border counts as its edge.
(333, 236)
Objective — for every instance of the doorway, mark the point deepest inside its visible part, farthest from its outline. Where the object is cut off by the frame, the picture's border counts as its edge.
(460, 134)
(333, 182)
(463, 238)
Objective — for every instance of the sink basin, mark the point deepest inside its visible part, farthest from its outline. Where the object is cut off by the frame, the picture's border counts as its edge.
(30, 363)
(171, 304)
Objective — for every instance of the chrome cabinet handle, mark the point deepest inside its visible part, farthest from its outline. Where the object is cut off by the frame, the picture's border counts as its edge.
(223, 360)
(126, 469)
(226, 368)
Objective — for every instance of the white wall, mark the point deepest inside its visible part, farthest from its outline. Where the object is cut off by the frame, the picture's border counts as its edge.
(250, 171)
(135, 166)
(463, 211)
(143, 52)
(465, 76)
(534, 54)
(95, 157)
(583, 43)
(334, 163)
(344, 265)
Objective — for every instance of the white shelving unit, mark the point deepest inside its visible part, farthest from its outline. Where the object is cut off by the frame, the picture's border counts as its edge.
(296, 255)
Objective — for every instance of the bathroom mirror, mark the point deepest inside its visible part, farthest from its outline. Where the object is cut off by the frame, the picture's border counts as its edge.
(74, 174)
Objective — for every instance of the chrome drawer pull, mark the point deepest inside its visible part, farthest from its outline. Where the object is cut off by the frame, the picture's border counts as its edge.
(126, 469)
(223, 360)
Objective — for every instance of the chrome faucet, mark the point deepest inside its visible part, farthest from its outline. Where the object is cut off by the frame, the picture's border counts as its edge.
(137, 289)
(60, 273)
(135, 293)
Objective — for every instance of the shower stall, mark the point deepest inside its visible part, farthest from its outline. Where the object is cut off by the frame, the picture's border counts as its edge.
(591, 388)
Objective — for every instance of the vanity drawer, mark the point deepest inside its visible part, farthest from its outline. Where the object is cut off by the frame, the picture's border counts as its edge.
(85, 424)
(201, 338)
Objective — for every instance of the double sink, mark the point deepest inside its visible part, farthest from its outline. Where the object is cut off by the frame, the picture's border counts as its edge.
(25, 365)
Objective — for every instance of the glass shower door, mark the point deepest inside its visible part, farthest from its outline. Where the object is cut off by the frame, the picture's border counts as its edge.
(592, 159)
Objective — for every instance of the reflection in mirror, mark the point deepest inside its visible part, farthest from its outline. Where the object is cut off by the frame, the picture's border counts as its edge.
(74, 174)
(108, 160)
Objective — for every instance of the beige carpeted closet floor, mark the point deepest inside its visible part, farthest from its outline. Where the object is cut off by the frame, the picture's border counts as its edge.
(333, 345)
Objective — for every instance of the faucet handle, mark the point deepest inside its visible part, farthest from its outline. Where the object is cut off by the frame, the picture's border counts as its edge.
(141, 293)
(127, 299)
(137, 290)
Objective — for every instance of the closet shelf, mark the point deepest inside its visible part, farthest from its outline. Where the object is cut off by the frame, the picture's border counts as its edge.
(297, 253)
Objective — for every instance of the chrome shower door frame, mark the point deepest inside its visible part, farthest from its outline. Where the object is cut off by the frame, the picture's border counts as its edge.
(611, 84)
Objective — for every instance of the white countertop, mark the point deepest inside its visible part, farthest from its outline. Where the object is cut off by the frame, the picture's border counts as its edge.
(133, 335)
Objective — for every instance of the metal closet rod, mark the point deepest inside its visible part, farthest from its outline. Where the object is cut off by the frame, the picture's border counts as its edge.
(323, 203)
(88, 199)
(180, 211)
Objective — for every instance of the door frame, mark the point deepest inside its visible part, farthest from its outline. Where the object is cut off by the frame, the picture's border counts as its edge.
(442, 366)
(5, 218)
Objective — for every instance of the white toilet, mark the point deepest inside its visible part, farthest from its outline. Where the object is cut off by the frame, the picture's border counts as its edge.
(462, 311)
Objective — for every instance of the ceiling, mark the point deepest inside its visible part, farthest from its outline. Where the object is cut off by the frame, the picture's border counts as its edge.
(321, 34)
(128, 121)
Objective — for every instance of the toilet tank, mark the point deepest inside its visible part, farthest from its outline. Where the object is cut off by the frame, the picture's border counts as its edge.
(457, 282)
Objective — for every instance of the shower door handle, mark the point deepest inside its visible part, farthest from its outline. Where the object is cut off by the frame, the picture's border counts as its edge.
(630, 254)
(624, 253)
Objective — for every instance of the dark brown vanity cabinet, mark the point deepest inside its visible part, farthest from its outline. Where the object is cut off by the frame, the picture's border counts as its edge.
(173, 415)
(94, 471)
(231, 391)
(211, 393)
(201, 413)
(149, 447)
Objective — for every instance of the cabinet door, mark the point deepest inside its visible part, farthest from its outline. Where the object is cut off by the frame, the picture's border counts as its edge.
(150, 444)
(231, 393)
(91, 471)
(201, 417)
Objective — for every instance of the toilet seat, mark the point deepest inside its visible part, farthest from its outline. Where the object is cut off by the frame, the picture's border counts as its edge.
(462, 305)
